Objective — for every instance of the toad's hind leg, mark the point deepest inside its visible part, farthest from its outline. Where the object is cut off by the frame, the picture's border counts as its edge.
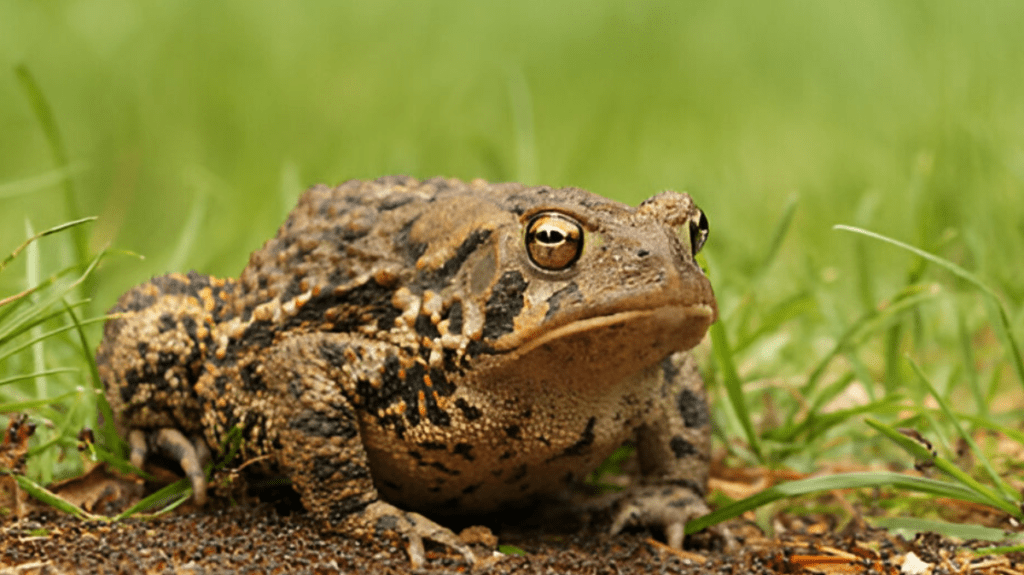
(318, 441)
(153, 352)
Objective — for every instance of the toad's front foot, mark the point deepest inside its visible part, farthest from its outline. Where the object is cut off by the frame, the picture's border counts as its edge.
(666, 507)
(414, 527)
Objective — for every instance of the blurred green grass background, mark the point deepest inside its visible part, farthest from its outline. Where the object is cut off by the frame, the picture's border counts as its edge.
(192, 127)
(904, 117)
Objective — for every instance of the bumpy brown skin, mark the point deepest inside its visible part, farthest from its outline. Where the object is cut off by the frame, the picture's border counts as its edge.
(397, 346)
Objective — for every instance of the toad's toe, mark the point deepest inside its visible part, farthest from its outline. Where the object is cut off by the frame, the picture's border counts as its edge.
(667, 508)
(191, 455)
(414, 528)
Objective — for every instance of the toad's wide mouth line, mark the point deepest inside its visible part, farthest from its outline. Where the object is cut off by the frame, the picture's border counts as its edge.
(700, 314)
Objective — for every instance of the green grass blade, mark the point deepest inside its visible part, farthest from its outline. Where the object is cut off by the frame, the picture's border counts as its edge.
(998, 550)
(32, 267)
(778, 235)
(56, 438)
(53, 500)
(190, 230)
(830, 392)
(291, 182)
(945, 264)
(44, 373)
(523, 122)
(63, 433)
(832, 482)
(5, 302)
(178, 492)
(982, 494)
(734, 387)
(1007, 490)
(986, 423)
(1004, 331)
(512, 550)
(230, 446)
(772, 320)
(40, 182)
(100, 452)
(967, 358)
(48, 123)
(908, 527)
(108, 433)
(862, 373)
(13, 303)
(16, 406)
(911, 446)
(42, 234)
(40, 337)
(817, 424)
(28, 317)
(870, 322)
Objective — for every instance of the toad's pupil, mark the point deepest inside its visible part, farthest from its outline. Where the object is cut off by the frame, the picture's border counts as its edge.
(698, 233)
(550, 236)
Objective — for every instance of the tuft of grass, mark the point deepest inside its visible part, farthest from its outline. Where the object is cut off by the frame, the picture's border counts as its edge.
(38, 371)
(44, 351)
(998, 314)
(808, 420)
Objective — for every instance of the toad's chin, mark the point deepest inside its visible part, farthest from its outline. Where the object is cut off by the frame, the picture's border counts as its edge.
(593, 353)
(673, 328)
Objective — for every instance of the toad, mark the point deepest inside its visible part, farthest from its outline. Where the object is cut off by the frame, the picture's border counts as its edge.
(439, 347)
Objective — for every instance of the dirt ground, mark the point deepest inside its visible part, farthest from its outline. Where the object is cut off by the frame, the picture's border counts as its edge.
(240, 533)
(261, 538)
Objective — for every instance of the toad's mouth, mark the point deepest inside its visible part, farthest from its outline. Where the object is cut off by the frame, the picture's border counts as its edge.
(669, 327)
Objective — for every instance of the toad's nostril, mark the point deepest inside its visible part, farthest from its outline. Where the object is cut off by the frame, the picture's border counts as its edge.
(642, 253)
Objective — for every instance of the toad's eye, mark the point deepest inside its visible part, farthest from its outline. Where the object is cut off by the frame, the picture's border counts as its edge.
(698, 231)
(554, 241)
